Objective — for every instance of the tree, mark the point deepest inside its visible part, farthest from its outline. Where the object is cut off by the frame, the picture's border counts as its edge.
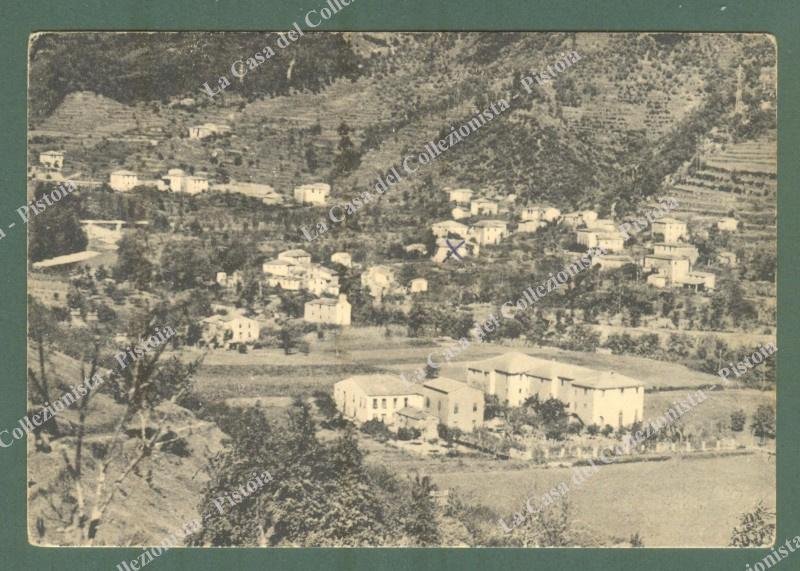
(763, 422)
(319, 494)
(553, 417)
(347, 158)
(57, 230)
(132, 262)
(184, 264)
(755, 529)
(420, 520)
(738, 419)
(91, 486)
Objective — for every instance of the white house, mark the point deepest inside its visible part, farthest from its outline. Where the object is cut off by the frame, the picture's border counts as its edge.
(727, 224)
(316, 193)
(328, 310)
(674, 269)
(544, 213)
(699, 281)
(482, 207)
(677, 249)
(52, 159)
(178, 181)
(418, 285)
(229, 280)
(669, 230)
(455, 404)
(231, 329)
(320, 280)
(489, 231)
(375, 397)
(297, 255)
(596, 397)
(610, 241)
(123, 180)
(448, 227)
(460, 195)
(207, 129)
(342, 258)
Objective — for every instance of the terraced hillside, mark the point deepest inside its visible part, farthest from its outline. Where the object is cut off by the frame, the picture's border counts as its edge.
(736, 177)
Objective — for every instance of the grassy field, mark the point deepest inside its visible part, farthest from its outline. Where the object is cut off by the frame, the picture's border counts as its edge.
(676, 503)
(715, 411)
(269, 372)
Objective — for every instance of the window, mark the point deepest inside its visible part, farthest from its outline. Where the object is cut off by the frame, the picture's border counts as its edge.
(427, 402)
(383, 418)
(439, 405)
(622, 391)
(405, 401)
(455, 408)
(475, 407)
(383, 403)
(374, 403)
(585, 391)
(394, 403)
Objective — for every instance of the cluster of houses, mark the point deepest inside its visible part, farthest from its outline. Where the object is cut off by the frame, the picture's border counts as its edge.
(592, 397)
(382, 281)
(672, 260)
(231, 328)
(293, 270)
(176, 180)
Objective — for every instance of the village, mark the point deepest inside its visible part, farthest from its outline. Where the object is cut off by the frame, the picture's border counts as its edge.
(654, 247)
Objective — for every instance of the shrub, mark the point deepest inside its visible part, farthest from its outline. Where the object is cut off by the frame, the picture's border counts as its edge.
(376, 429)
(592, 429)
(408, 434)
(607, 430)
(738, 419)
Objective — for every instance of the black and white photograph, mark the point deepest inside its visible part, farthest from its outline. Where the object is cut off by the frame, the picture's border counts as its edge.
(305, 288)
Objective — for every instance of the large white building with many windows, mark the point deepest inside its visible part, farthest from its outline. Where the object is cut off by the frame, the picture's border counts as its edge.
(596, 397)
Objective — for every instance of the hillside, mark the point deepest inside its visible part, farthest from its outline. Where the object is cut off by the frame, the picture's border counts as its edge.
(138, 516)
(576, 141)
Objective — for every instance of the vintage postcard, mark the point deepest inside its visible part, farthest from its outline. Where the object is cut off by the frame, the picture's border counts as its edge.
(454, 289)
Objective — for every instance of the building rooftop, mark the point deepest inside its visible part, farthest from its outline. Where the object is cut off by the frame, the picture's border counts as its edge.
(606, 380)
(323, 301)
(666, 257)
(516, 363)
(445, 385)
(66, 259)
(384, 385)
(297, 253)
(415, 413)
(491, 224)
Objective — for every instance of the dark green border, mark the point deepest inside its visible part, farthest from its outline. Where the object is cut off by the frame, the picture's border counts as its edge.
(778, 17)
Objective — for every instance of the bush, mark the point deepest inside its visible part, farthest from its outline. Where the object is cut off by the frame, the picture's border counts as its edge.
(738, 420)
(607, 430)
(408, 434)
(574, 428)
(592, 429)
(376, 429)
